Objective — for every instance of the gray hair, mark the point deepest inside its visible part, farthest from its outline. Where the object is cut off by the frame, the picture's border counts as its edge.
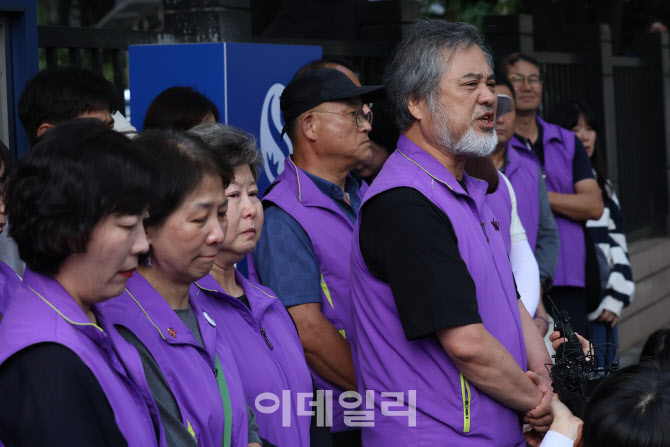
(419, 63)
(234, 145)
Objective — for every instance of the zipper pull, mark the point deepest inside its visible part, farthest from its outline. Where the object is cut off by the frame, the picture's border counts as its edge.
(267, 340)
(484, 230)
(467, 408)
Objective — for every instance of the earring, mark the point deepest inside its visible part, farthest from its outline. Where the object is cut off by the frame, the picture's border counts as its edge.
(147, 260)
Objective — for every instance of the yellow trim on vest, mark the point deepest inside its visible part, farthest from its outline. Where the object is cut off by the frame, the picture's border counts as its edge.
(190, 430)
(343, 334)
(326, 291)
(465, 392)
(298, 178)
(61, 314)
(146, 314)
(424, 170)
(256, 287)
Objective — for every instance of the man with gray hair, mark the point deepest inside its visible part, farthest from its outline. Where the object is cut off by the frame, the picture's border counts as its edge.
(437, 318)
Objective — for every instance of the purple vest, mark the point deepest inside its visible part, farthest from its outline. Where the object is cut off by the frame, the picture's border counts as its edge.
(330, 232)
(9, 281)
(559, 150)
(449, 410)
(500, 203)
(31, 319)
(189, 368)
(268, 353)
(522, 172)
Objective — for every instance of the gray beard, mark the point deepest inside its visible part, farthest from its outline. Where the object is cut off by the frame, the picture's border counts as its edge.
(471, 144)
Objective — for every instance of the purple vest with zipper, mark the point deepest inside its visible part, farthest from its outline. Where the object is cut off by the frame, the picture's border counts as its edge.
(500, 203)
(330, 232)
(188, 367)
(522, 172)
(449, 410)
(31, 320)
(268, 353)
(9, 281)
(559, 151)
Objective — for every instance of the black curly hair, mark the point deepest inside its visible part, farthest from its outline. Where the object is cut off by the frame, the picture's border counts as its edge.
(79, 173)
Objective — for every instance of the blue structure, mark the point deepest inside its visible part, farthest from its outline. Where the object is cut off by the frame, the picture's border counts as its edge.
(244, 80)
(22, 63)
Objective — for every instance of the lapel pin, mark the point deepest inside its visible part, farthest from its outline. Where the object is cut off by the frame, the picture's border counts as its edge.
(172, 332)
(496, 224)
(209, 319)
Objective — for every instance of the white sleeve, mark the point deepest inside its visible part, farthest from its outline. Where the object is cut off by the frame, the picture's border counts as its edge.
(516, 230)
(527, 274)
(555, 439)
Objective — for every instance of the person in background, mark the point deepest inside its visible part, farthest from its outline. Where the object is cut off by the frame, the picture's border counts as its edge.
(383, 139)
(616, 277)
(573, 193)
(433, 293)
(60, 94)
(310, 213)
(78, 200)
(180, 108)
(54, 96)
(9, 280)
(250, 319)
(198, 393)
(523, 171)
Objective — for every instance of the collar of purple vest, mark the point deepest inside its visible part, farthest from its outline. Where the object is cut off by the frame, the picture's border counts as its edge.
(259, 297)
(166, 321)
(306, 191)
(57, 298)
(429, 164)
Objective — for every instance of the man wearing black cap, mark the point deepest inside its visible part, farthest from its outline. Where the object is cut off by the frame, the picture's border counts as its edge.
(310, 213)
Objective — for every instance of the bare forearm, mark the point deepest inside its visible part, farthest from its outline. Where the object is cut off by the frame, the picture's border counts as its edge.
(330, 358)
(579, 206)
(326, 351)
(491, 368)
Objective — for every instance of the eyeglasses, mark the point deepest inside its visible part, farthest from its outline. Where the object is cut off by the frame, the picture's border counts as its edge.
(518, 80)
(360, 115)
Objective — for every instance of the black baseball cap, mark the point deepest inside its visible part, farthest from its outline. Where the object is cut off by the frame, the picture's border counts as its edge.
(320, 85)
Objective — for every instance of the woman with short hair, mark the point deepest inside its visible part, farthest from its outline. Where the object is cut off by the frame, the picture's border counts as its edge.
(198, 392)
(77, 202)
(249, 317)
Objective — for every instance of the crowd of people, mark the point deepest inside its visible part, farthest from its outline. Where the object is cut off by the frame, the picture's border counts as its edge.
(403, 271)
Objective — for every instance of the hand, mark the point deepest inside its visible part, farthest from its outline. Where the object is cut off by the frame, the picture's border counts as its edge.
(254, 444)
(540, 417)
(608, 317)
(556, 341)
(565, 422)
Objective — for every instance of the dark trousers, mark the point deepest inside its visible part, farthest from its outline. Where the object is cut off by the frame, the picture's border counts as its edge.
(322, 437)
(574, 300)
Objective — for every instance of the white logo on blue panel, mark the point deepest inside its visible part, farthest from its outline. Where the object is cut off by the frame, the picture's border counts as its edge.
(274, 150)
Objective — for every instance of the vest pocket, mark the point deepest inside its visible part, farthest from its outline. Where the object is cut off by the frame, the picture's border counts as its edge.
(465, 393)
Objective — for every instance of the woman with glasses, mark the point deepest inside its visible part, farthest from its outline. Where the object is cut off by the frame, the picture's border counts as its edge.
(249, 317)
(198, 392)
(77, 202)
